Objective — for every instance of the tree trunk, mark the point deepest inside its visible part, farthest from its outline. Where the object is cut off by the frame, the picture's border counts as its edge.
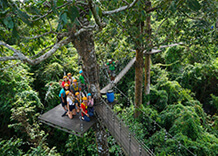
(101, 140)
(138, 80)
(148, 56)
(84, 44)
(147, 73)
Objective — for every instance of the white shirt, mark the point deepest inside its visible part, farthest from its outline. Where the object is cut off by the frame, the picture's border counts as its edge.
(70, 100)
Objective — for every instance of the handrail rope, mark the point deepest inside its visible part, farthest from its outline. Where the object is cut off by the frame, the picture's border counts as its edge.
(156, 123)
(115, 85)
(102, 126)
(119, 119)
(131, 131)
(147, 116)
(105, 131)
(143, 145)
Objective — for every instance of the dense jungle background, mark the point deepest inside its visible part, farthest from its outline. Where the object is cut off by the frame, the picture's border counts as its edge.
(184, 79)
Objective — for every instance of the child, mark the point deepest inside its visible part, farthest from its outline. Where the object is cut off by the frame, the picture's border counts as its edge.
(90, 103)
(77, 102)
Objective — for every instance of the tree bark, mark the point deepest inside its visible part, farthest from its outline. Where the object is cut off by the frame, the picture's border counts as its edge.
(138, 80)
(85, 46)
(148, 56)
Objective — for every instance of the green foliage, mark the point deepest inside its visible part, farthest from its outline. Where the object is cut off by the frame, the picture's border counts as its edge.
(184, 79)
(85, 145)
(11, 147)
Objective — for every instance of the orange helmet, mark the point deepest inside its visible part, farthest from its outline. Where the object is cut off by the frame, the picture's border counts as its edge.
(67, 92)
(74, 80)
(64, 77)
(77, 93)
(85, 98)
(66, 85)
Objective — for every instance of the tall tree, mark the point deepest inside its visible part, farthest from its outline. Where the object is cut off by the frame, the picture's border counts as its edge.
(32, 23)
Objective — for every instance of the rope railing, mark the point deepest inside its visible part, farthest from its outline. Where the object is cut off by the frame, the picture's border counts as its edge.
(167, 134)
(122, 130)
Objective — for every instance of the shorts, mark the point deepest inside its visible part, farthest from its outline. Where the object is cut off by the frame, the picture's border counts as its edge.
(63, 103)
(112, 73)
(71, 107)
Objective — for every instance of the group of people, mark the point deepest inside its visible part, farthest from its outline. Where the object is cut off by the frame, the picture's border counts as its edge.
(74, 97)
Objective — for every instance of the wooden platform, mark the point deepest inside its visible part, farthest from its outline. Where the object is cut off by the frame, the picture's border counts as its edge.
(75, 126)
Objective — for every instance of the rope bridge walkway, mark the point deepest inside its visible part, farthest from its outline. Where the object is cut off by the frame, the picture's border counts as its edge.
(117, 128)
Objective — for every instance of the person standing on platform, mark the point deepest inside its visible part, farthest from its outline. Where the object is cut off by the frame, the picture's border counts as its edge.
(77, 102)
(66, 81)
(90, 103)
(70, 78)
(70, 105)
(111, 64)
(82, 82)
(75, 87)
(63, 98)
(84, 110)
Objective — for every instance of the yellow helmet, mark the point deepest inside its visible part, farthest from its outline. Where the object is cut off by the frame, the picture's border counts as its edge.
(64, 77)
(74, 80)
(66, 85)
(77, 93)
(69, 74)
(85, 98)
(67, 92)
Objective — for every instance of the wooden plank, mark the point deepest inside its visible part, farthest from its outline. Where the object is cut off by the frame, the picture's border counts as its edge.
(53, 118)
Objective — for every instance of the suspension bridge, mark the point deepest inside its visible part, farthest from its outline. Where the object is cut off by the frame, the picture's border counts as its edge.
(107, 117)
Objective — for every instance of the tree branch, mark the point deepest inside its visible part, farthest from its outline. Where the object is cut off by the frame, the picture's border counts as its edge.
(154, 51)
(125, 2)
(194, 18)
(35, 37)
(160, 26)
(120, 9)
(50, 11)
(8, 58)
(151, 9)
(20, 56)
(41, 52)
(96, 17)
